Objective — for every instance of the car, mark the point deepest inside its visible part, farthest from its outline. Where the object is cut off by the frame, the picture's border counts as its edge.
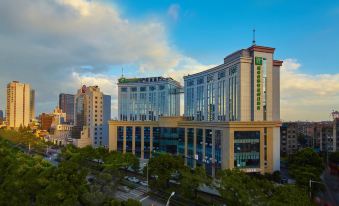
(123, 188)
(133, 179)
(143, 183)
(284, 180)
(126, 177)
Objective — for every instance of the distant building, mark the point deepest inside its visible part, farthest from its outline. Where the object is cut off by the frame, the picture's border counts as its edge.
(18, 111)
(289, 138)
(46, 121)
(336, 135)
(323, 136)
(66, 104)
(147, 99)
(32, 104)
(1, 116)
(92, 112)
(60, 132)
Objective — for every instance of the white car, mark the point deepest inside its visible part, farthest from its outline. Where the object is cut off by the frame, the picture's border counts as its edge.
(134, 179)
(143, 183)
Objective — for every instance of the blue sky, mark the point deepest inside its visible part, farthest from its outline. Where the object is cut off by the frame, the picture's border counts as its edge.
(58, 45)
(208, 30)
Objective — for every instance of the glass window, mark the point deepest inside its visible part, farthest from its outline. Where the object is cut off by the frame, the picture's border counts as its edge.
(142, 89)
(247, 149)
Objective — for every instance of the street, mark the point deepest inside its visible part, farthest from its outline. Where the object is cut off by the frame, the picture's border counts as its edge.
(332, 187)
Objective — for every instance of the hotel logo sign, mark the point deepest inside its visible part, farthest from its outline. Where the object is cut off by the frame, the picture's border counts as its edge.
(258, 63)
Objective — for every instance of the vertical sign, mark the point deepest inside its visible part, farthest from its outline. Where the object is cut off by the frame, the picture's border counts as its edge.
(258, 63)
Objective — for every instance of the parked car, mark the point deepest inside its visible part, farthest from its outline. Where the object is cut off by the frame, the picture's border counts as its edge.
(143, 183)
(284, 180)
(123, 188)
(133, 179)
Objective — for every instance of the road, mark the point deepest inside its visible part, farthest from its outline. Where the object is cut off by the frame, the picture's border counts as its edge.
(138, 193)
(332, 187)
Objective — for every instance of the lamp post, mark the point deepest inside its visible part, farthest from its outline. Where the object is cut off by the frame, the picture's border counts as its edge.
(310, 184)
(168, 201)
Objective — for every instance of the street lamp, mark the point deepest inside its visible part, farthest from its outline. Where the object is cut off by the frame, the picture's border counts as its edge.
(310, 184)
(168, 201)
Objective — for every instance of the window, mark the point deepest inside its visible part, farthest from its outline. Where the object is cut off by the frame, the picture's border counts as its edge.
(142, 89)
(133, 89)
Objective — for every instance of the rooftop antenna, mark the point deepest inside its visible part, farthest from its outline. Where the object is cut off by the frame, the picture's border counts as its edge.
(253, 42)
(122, 71)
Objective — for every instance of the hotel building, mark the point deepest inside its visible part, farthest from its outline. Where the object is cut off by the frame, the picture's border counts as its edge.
(231, 118)
(19, 101)
(147, 99)
(91, 114)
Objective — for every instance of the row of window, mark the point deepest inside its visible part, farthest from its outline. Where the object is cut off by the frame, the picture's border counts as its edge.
(142, 89)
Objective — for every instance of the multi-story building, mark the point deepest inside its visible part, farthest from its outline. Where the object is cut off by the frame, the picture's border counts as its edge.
(289, 138)
(32, 104)
(1, 116)
(18, 111)
(46, 121)
(231, 118)
(147, 99)
(336, 135)
(60, 132)
(92, 112)
(66, 104)
(323, 136)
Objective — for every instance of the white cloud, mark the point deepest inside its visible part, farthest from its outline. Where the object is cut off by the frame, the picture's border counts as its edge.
(44, 42)
(174, 11)
(307, 96)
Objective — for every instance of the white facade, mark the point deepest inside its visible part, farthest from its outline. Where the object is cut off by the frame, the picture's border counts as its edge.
(240, 89)
(89, 115)
(61, 133)
(147, 99)
(18, 110)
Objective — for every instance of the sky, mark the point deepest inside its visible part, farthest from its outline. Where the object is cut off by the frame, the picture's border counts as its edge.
(58, 45)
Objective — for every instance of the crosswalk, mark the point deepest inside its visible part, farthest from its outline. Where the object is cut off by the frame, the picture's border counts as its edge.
(137, 194)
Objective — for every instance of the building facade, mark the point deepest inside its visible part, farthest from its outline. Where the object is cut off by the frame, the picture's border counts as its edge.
(18, 111)
(147, 99)
(92, 112)
(60, 132)
(32, 104)
(289, 138)
(66, 104)
(231, 118)
(1, 116)
(46, 121)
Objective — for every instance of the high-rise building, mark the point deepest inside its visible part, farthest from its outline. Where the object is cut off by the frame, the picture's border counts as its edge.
(1, 117)
(66, 104)
(231, 117)
(32, 104)
(92, 112)
(147, 99)
(18, 111)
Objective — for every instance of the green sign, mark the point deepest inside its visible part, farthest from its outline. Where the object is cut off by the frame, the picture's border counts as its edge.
(258, 60)
(258, 83)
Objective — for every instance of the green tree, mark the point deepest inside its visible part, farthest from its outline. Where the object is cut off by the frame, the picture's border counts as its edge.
(304, 165)
(191, 180)
(163, 166)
